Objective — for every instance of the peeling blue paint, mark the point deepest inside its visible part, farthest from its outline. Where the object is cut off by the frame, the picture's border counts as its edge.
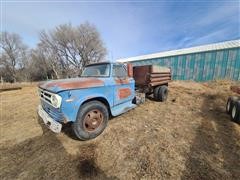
(107, 93)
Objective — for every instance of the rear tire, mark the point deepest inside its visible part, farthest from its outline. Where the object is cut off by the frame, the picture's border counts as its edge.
(92, 119)
(160, 93)
(230, 103)
(235, 112)
(156, 93)
(163, 93)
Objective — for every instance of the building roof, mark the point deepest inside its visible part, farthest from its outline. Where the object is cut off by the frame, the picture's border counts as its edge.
(196, 49)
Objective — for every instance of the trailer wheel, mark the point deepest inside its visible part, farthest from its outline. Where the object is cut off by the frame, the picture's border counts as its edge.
(92, 119)
(235, 113)
(230, 103)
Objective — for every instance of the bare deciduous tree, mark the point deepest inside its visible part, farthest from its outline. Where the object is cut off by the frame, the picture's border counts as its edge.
(38, 67)
(13, 53)
(73, 47)
(61, 53)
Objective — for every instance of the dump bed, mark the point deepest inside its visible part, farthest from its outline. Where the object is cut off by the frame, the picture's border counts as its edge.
(151, 75)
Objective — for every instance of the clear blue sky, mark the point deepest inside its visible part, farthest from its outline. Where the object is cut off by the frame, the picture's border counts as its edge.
(130, 28)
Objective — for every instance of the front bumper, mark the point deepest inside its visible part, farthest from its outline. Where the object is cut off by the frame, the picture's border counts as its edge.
(48, 121)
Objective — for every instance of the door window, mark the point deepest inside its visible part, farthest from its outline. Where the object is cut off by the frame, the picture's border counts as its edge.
(119, 71)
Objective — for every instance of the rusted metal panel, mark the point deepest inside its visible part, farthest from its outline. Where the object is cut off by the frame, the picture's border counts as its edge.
(159, 69)
(130, 70)
(151, 74)
(124, 93)
(159, 83)
(160, 75)
(140, 74)
(160, 79)
(235, 89)
(76, 83)
(121, 81)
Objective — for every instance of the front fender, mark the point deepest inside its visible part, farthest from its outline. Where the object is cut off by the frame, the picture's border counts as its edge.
(70, 105)
(92, 97)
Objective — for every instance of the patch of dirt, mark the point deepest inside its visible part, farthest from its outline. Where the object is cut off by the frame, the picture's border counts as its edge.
(188, 137)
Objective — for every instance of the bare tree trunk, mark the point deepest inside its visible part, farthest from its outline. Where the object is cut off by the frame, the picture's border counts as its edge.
(56, 73)
(1, 80)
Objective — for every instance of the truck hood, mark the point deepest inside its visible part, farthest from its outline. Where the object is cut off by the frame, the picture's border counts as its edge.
(73, 83)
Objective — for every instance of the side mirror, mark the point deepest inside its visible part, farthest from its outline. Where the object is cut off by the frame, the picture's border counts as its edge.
(130, 70)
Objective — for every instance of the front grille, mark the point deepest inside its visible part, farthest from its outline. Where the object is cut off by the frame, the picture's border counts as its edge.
(54, 113)
(45, 95)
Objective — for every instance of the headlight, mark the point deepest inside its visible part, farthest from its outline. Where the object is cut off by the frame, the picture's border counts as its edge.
(56, 100)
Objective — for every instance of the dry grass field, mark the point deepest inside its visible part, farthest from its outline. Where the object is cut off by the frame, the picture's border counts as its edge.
(188, 137)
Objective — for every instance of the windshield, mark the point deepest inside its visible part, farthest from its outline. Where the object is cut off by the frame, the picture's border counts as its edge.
(100, 70)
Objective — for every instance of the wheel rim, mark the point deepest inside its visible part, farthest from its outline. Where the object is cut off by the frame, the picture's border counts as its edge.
(233, 112)
(93, 120)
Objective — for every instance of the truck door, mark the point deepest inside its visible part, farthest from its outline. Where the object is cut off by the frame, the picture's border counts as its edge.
(124, 85)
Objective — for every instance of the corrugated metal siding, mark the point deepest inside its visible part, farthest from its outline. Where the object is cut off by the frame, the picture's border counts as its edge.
(178, 52)
(202, 66)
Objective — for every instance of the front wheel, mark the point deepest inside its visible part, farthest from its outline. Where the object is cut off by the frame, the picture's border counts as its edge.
(91, 121)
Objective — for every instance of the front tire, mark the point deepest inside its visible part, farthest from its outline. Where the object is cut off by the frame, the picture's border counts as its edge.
(92, 119)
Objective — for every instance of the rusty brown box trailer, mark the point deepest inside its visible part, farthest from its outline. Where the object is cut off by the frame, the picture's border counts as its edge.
(151, 75)
(152, 79)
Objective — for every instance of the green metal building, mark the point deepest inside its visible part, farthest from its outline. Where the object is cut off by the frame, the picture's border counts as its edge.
(201, 63)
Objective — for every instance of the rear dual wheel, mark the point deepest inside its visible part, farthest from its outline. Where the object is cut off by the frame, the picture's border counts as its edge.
(233, 108)
(230, 102)
(160, 93)
(235, 114)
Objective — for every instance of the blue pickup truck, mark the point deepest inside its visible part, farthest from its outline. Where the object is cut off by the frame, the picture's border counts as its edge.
(103, 90)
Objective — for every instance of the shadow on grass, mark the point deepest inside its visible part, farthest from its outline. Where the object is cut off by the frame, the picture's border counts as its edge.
(44, 157)
(67, 129)
(215, 151)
